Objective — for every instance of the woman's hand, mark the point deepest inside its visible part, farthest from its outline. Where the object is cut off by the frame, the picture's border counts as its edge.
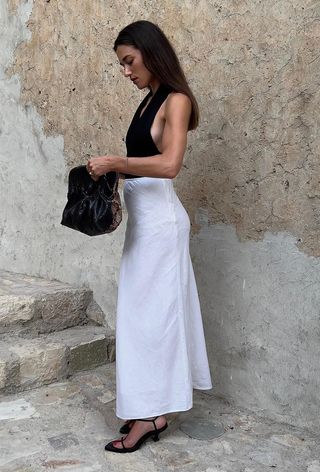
(100, 165)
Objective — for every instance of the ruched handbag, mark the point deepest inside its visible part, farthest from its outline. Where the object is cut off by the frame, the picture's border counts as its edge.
(93, 207)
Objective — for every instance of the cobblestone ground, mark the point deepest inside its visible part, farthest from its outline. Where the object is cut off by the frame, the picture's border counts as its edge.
(65, 426)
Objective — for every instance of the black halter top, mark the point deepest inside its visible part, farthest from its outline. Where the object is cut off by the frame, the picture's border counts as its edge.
(139, 141)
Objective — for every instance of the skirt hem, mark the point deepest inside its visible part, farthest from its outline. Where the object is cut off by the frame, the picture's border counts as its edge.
(196, 387)
(155, 413)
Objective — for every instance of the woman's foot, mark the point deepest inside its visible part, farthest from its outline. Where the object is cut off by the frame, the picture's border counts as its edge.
(140, 428)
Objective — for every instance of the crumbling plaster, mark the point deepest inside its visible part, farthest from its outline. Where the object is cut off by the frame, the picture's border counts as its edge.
(254, 67)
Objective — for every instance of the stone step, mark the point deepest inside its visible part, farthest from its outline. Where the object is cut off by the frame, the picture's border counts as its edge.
(32, 305)
(28, 363)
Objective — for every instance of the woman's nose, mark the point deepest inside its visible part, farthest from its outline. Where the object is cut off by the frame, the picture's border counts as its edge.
(127, 71)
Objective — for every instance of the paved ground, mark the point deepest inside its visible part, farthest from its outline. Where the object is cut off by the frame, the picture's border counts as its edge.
(65, 426)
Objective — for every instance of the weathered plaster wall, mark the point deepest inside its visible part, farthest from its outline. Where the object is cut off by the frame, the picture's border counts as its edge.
(33, 191)
(254, 65)
(250, 181)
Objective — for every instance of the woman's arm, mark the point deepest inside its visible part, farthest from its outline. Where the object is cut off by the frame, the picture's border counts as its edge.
(174, 141)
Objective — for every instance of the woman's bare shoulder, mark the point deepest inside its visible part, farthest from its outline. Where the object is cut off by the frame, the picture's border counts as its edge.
(179, 98)
(178, 103)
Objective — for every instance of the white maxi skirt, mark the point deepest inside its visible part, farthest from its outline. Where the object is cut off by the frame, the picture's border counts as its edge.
(160, 346)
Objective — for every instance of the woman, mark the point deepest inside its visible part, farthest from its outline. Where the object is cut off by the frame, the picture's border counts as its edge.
(160, 350)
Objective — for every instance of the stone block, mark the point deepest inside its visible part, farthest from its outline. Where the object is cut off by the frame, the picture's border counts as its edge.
(12, 374)
(95, 313)
(39, 362)
(88, 354)
(87, 346)
(9, 368)
(62, 310)
(28, 363)
(15, 310)
(32, 305)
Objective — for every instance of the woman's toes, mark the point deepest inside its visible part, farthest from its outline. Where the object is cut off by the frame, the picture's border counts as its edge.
(117, 443)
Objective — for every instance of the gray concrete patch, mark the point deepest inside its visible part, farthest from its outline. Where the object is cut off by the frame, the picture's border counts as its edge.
(202, 428)
(260, 310)
(63, 441)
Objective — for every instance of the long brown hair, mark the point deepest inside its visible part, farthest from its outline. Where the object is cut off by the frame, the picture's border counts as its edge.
(160, 59)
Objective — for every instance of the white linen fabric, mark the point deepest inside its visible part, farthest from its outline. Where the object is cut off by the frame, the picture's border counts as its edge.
(160, 346)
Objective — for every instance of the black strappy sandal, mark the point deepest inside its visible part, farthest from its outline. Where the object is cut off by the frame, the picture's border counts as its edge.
(154, 434)
(126, 428)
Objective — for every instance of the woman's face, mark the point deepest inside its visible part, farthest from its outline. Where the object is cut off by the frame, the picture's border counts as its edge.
(133, 67)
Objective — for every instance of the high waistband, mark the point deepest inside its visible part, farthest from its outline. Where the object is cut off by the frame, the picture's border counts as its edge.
(129, 176)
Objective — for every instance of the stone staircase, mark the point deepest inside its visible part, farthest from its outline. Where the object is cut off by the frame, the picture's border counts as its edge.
(48, 331)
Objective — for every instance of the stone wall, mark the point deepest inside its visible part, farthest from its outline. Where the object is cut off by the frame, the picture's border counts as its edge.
(250, 179)
(254, 67)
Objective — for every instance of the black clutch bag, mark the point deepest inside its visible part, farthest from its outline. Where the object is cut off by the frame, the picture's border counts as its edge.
(93, 207)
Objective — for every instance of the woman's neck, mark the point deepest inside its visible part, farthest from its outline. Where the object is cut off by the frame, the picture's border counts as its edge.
(153, 86)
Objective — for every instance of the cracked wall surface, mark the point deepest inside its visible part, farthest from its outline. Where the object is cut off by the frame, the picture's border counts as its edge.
(254, 67)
